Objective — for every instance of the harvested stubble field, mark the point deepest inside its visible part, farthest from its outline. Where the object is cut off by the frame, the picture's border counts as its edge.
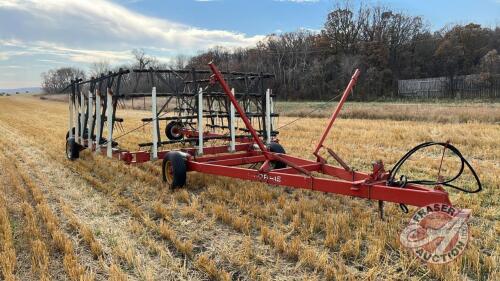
(439, 111)
(98, 219)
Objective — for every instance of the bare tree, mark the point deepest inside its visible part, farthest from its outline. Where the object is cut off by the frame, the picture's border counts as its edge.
(180, 61)
(55, 80)
(490, 63)
(343, 27)
(99, 67)
(143, 61)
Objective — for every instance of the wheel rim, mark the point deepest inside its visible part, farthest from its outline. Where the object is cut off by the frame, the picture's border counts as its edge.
(169, 172)
(176, 131)
(68, 150)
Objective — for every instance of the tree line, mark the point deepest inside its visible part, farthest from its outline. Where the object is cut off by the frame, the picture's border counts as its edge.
(386, 45)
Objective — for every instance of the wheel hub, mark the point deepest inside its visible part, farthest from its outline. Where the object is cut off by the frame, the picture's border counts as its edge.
(176, 131)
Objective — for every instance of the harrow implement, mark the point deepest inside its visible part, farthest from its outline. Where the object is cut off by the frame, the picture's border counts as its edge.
(259, 157)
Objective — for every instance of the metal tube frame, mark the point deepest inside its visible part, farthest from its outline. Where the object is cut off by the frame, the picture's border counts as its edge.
(154, 127)
(90, 119)
(109, 120)
(98, 120)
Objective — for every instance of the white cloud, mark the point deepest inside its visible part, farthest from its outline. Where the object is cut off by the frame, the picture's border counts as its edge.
(312, 30)
(5, 55)
(72, 54)
(10, 43)
(35, 34)
(51, 61)
(99, 28)
(13, 66)
(81, 55)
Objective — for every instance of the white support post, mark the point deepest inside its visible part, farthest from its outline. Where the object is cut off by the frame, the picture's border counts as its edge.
(76, 119)
(247, 106)
(232, 144)
(109, 119)
(154, 149)
(90, 120)
(273, 120)
(268, 116)
(82, 117)
(70, 119)
(200, 121)
(98, 121)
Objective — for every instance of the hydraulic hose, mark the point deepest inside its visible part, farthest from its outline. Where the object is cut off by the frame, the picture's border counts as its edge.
(392, 174)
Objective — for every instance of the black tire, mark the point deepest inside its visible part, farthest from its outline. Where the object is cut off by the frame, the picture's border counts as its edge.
(173, 131)
(276, 147)
(174, 169)
(72, 149)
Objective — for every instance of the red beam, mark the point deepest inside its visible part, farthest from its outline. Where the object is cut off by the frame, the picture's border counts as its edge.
(343, 174)
(233, 172)
(238, 161)
(134, 157)
(219, 149)
(297, 160)
(346, 93)
(309, 167)
(243, 116)
(216, 157)
(411, 195)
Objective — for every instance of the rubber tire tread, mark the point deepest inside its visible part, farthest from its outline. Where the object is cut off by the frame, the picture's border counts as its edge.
(75, 150)
(179, 169)
(277, 148)
(168, 130)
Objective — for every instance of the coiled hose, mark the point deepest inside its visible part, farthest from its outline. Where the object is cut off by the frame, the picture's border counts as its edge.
(404, 180)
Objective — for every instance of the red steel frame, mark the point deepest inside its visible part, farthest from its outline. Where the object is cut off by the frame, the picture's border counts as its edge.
(298, 174)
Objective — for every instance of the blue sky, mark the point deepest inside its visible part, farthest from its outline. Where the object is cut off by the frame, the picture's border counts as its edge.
(37, 35)
(267, 16)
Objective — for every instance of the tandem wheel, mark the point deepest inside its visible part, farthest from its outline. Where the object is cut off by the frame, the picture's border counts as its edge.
(174, 169)
(276, 147)
(173, 131)
(72, 149)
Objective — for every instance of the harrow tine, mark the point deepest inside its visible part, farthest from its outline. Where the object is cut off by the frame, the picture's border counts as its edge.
(381, 209)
